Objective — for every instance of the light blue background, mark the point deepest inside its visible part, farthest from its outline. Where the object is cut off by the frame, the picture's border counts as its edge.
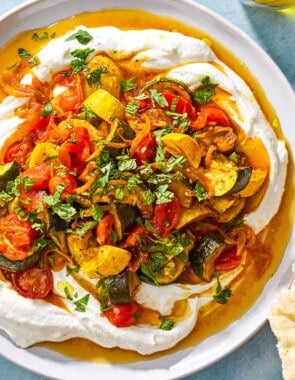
(275, 33)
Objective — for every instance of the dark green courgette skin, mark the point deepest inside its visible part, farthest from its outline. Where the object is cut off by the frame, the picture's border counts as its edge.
(8, 172)
(203, 256)
(127, 215)
(119, 288)
(244, 175)
(19, 265)
(56, 222)
(128, 134)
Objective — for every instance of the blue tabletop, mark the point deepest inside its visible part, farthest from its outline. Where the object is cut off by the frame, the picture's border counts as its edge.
(275, 33)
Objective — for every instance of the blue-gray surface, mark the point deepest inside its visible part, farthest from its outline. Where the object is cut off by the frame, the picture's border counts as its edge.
(275, 33)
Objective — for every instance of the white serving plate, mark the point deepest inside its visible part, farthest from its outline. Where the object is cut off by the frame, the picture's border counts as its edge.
(38, 13)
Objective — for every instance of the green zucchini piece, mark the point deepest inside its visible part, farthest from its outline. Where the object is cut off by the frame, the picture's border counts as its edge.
(54, 221)
(119, 288)
(127, 215)
(18, 265)
(8, 172)
(168, 84)
(202, 257)
(243, 178)
(126, 131)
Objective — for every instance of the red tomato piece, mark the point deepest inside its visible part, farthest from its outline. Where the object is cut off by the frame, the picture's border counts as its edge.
(144, 104)
(180, 105)
(74, 152)
(19, 150)
(40, 175)
(103, 230)
(32, 199)
(13, 253)
(123, 315)
(33, 282)
(166, 216)
(133, 237)
(67, 180)
(72, 98)
(210, 115)
(146, 149)
(228, 259)
(64, 78)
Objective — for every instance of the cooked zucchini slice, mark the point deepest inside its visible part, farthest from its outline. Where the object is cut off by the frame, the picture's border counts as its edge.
(233, 211)
(119, 288)
(18, 265)
(257, 179)
(193, 214)
(8, 172)
(127, 215)
(168, 84)
(170, 271)
(202, 257)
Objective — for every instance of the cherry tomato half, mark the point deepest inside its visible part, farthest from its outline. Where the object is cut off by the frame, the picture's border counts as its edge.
(228, 259)
(123, 315)
(210, 115)
(134, 236)
(31, 200)
(180, 105)
(146, 149)
(67, 180)
(103, 230)
(166, 216)
(40, 174)
(33, 282)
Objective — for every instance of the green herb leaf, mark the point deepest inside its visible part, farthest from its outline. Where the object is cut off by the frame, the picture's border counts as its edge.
(132, 108)
(80, 55)
(221, 295)
(82, 303)
(167, 324)
(132, 183)
(201, 192)
(205, 92)
(148, 197)
(47, 109)
(126, 163)
(93, 78)
(43, 36)
(23, 53)
(82, 36)
(163, 195)
(33, 61)
(148, 272)
(235, 157)
(158, 98)
(127, 85)
(96, 212)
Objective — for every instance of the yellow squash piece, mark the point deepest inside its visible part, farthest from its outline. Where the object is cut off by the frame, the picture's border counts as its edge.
(105, 105)
(179, 144)
(109, 80)
(107, 261)
(193, 214)
(43, 151)
(257, 179)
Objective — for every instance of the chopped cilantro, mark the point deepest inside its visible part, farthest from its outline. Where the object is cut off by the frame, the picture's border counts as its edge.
(64, 210)
(68, 293)
(120, 193)
(132, 108)
(221, 295)
(126, 163)
(47, 109)
(163, 195)
(74, 269)
(33, 61)
(167, 324)
(93, 78)
(132, 183)
(82, 36)
(80, 55)
(23, 53)
(43, 36)
(96, 212)
(158, 98)
(113, 236)
(201, 192)
(148, 197)
(127, 85)
(234, 156)
(205, 92)
(82, 303)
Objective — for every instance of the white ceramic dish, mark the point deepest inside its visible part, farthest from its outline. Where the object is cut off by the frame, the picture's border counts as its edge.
(37, 13)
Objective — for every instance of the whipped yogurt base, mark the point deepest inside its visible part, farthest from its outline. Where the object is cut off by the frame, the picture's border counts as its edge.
(186, 59)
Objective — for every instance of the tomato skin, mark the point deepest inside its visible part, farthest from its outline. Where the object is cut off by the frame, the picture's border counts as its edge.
(146, 149)
(166, 213)
(67, 180)
(228, 259)
(74, 152)
(35, 196)
(19, 150)
(103, 230)
(64, 78)
(40, 175)
(35, 282)
(210, 115)
(182, 106)
(123, 315)
(133, 237)
(72, 98)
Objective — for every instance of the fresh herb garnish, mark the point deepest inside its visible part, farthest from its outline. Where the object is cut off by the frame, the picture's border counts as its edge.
(201, 192)
(82, 303)
(148, 197)
(64, 210)
(82, 36)
(235, 157)
(33, 61)
(43, 36)
(205, 92)
(47, 109)
(167, 324)
(127, 85)
(78, 64)
(132, 108)
(126, 163)
(93, 78)
(132, 183)
(163, 195)
(23, 53)
(158, 98)
(96, 212)
(221, 295)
